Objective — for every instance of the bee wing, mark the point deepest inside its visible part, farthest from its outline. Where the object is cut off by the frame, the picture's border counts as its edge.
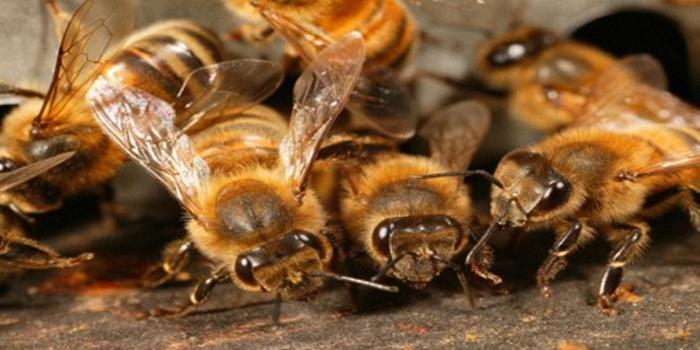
(320, 95)
(622, 103)
(380, 98)
(93, 30)
(229, 87)
(16, 177)
(144, 127)
(385, 103)
(647, 70)
(455, 133)
(306, 39)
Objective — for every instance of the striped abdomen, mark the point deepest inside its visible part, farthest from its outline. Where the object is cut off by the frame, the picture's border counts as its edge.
(158, 58)
(387, 27)
(244, 141)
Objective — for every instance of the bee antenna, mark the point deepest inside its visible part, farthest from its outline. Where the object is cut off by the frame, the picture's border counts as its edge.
(460, 276)
(483, 173)
(484, 238)
(386, 267)
(361, 282)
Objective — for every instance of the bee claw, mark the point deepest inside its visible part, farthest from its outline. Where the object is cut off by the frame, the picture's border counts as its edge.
(606, 306)
(546, 292)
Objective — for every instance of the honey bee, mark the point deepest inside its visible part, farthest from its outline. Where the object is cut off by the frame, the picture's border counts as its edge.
(380, 101)
(243, 179)
(548, 78)
(17, 252)
(412, 226)
(632, 155)
(156, 59)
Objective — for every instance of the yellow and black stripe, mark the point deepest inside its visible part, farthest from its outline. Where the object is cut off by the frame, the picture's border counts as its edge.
(158, 58)
(229, 144)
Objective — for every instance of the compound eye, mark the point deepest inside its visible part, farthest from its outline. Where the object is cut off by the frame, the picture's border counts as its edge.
(556, 194)
(507, 54)
(245, 267)
(310, 241)
(382, 236)
(244, 271)
(7, 164)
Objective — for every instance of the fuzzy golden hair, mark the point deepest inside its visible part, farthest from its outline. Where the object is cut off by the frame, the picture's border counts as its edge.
(361, 215)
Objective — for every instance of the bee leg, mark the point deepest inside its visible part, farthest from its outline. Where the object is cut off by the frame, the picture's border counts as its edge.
(24, 253)
(556, 259)
(200, 293)
(483, 262)
(277, 311)
(692, 204)
(626, 250)
(176, 256)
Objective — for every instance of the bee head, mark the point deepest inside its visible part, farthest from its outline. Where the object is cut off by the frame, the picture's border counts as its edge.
(533, 191)
(418, 245)
(288, 265)
(504, 57)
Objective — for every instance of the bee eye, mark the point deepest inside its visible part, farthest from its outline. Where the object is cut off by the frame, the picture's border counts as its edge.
(244, 270)
(7, 164)
(507, 54)
(556, 194)
(382, 235)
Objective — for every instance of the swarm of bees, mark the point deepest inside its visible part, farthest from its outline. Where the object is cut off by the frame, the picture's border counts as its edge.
(281, 202)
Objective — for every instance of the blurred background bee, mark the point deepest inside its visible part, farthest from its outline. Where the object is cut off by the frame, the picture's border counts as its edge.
(243, 179)
(632, 155)
(156, 59)
(409, 222)
(380, 101)
(549, 78)
(18, 252)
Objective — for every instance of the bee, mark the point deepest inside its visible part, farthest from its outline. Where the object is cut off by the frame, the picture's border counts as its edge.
(409, 221)
(388, 27)
(156, 59)
(243, 179)
(632, 155)
(17, 252)
(548, 78)
(380, 102)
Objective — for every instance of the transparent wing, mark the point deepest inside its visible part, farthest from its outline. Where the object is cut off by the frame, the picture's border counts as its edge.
(380, 98)
(455, 133)
(320, 95)
(229, 87)
(144, 127)
(646, 69)
(95, 28)
(305, 38)
(622, 103)
(30, 171)
(385, 103)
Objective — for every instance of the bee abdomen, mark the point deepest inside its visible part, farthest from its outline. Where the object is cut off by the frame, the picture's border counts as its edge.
(159, 58)
(246, 140)
(390, 35)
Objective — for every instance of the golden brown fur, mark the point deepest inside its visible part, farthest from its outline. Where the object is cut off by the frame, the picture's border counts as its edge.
(383, 190)
(146, 62)
(537, 95)
(388, 28)
(605, 175)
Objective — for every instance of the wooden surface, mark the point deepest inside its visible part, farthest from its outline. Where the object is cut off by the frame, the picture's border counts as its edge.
(98, 307)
